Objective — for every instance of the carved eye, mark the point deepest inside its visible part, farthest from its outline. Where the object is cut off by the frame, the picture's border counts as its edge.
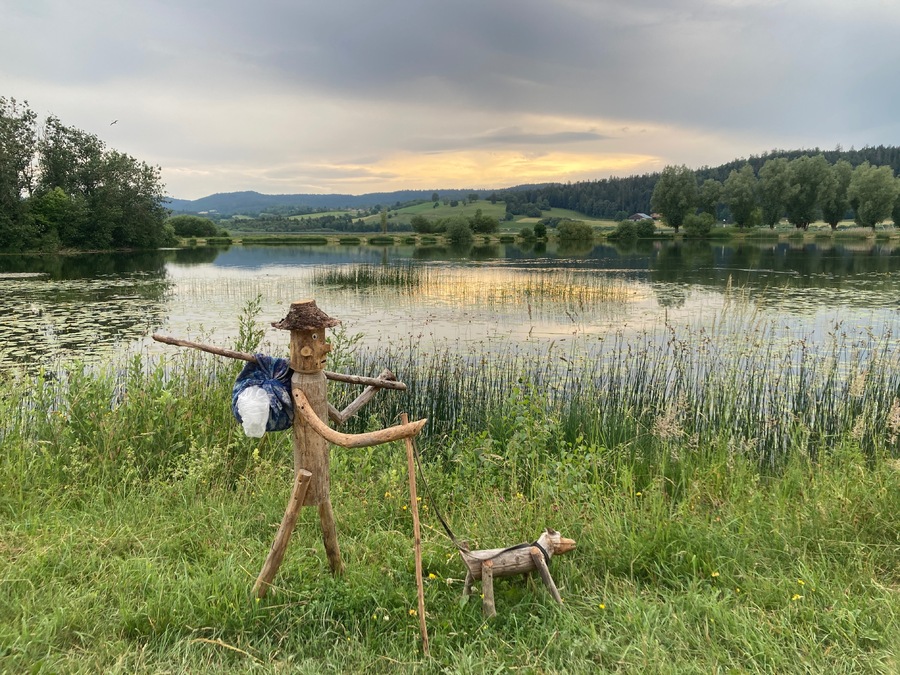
(315, 336)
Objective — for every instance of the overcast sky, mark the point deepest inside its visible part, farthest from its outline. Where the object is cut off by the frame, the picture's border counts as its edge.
(354, 96)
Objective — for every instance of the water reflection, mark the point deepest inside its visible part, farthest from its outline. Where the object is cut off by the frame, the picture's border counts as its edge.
(78, 306)
(524, 292)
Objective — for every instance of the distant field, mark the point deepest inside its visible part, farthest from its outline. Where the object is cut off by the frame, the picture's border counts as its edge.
(497, 210)
(320, 214)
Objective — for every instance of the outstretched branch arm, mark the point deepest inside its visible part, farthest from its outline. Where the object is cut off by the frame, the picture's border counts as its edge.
(361, 400)
(395, 433)
(377, 382)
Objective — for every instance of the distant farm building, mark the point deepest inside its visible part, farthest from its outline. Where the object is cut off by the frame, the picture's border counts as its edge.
(640, 216)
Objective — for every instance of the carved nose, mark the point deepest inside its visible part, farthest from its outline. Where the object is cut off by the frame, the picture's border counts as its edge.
(565, 545)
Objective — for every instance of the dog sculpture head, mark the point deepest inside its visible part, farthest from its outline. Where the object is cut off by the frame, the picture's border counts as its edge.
(554, 543)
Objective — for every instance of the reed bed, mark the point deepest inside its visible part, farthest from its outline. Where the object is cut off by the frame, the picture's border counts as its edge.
(758, 392)
(368, 276)
(474, 286)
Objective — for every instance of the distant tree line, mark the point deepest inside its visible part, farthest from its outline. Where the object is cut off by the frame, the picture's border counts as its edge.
(343, 222)
(617, 198)
(61, 187)
(802, 190)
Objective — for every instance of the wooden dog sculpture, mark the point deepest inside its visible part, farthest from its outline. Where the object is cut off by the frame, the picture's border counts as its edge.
(504, 562)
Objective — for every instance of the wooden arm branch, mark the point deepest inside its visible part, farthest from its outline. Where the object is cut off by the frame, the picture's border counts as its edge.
(395, 433)
(361, 400)
(244, 356)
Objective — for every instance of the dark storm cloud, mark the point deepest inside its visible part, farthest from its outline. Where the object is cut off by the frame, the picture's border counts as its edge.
(720, 64)
(236, 89)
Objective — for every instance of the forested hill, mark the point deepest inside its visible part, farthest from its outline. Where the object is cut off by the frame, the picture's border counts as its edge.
(254, 203)
(612, 197)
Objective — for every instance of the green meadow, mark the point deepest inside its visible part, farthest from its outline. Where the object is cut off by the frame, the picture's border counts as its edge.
(736, 507)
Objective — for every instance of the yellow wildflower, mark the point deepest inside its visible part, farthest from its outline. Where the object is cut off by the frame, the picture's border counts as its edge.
(432, 575)
(796, 596)
(602, 606)
(412, 612)
(714, 574)
(801, 582)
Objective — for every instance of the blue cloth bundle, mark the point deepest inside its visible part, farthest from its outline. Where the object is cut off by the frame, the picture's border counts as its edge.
(274, 376)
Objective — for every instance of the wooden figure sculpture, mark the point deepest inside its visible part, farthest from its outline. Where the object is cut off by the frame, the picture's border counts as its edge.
(312, 476)
(307, 324)
(504, 562)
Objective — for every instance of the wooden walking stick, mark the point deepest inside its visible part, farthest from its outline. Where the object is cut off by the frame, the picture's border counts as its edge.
(414, 505)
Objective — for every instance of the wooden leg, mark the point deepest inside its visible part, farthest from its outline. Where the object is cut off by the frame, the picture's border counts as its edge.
(283, 538)
(329, 535)
(467, 587)
(487, 586)
(541, 564)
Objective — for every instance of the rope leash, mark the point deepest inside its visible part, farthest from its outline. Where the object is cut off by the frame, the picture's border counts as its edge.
(460, 546)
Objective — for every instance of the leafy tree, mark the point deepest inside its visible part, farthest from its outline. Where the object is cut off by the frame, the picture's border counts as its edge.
(835, 198)
(540, 230)
(774, 185)
(58, 216)
(17, 146)
(421, 224)
(384, 219)
(806, 175)
(435, 197)
(873, 190)
(709, 195)
(675, 195)
(895, 212)
(473, 197)
(123, 197)
(740, 195)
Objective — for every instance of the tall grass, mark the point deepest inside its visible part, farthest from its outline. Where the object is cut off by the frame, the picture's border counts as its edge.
(735, 503)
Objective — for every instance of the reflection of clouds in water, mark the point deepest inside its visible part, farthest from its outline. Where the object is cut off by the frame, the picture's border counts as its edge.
(45, 321)
(527, 302)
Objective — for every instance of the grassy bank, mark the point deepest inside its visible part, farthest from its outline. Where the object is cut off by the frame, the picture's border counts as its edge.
(135, 517)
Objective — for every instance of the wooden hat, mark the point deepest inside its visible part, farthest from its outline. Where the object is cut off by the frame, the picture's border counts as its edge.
(304, 315)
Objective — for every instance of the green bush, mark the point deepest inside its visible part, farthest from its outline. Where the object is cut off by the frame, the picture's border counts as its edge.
(698, 225)
(193, 226)
(646, 229)
(526, 233)
(458, 231)
(574, 230)
(625, 229)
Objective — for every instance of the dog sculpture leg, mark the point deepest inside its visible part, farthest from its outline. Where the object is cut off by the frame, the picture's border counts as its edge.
(541, 564)
(487, 586)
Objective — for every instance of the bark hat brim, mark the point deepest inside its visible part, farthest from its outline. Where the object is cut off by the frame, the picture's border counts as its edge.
(304, 315)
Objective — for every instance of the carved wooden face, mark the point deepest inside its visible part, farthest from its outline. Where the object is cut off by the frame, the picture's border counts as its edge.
(308, 350)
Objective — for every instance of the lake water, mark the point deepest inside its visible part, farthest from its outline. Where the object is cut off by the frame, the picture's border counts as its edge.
(501, 296)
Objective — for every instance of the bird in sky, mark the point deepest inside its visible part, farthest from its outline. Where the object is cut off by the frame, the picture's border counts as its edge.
(113, 122)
